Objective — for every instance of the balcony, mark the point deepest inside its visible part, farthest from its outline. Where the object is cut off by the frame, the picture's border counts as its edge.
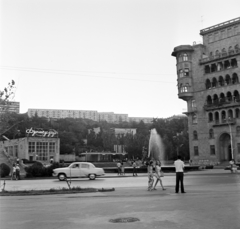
(225, 122)
(219, 56)
(218, 105)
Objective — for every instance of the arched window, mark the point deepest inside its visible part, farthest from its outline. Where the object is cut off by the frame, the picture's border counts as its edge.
(237, 113)
(235, 79)
(216, 114)
(195, 135)
(209, 100)
(211, 133)
(222, 98)
(185, 57)
(214, 82)
(221, 81)
(213, 67)
(229, 96)
(236, 47)
(230, 114)
(223, 50)
(223, 115)
(194, 104)
(210, 117)
(236, 96)
(230, 50)
(208, 84)
(207, 69)
(219, 66)
(194, 118)
(227, 64)
(217, 54)
(215, 99)
(234, 63)
(227, 79)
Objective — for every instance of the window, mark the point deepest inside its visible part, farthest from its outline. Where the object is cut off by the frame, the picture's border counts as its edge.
(195, 135)
(42, 151)
(236, 29)
(194, 118)
(185, 57)
(181, 73)
(238, 146)
(223, 34)
(229, 32)
(194, 104)
(84, 166)
(216, 36)
(211, 134)
(31, 147)
(210, 117)
(212, 150)
(195, 148)
(52, 147)
(210, 38)
(186, 72)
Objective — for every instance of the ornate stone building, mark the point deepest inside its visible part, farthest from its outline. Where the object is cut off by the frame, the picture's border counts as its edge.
(209, 81)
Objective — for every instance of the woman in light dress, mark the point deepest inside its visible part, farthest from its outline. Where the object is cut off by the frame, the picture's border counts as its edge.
(158, 175)
(150, 176)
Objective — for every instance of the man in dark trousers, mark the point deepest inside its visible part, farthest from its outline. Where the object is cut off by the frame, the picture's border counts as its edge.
(179, 166)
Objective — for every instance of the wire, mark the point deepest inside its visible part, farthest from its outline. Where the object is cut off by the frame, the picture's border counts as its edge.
(79, 73)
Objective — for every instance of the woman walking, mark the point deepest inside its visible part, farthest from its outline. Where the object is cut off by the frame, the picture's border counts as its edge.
(158, 171)
(150, 176)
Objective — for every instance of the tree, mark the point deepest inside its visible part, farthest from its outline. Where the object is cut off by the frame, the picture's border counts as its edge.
(6, 95)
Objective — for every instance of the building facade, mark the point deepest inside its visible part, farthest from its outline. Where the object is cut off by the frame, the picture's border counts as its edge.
(9, 106)
(110, 117)
(209, 81)
(38, 145)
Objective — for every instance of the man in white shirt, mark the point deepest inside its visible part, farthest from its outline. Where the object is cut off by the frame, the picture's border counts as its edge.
(179, 166)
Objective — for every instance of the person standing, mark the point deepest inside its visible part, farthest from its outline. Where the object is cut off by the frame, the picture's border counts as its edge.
(150, 176)
(134, 165)
(119, 168)
(231, 165)
(158, 175)
(179, 167)
(14, 172)
(17, 172)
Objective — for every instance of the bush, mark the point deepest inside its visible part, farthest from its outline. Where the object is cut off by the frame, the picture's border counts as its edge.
(4, 170)
(38, 170)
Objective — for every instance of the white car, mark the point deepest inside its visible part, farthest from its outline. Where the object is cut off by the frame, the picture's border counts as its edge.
(78, 169)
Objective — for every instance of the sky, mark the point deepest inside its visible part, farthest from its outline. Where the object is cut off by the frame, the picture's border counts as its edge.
(102, 55)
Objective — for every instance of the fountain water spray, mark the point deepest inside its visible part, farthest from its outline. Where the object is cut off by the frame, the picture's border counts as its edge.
(156, 147)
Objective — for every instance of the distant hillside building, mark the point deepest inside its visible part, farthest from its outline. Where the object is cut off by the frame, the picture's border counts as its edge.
(109, 117)
(208, 80)
(9, 106)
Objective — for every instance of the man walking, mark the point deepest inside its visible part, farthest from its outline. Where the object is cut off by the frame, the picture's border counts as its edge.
(179, 166)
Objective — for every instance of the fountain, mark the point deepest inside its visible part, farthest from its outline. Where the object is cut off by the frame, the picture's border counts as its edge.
(156, 147)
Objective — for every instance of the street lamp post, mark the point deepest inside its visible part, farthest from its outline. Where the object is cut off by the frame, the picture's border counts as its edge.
(231, 139)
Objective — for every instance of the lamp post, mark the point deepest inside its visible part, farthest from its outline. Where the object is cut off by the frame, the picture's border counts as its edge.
(231, 139)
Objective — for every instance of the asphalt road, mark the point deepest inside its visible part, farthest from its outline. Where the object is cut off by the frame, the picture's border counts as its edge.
(212, 201)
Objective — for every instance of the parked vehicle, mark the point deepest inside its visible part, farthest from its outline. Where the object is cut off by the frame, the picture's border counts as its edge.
(78, 169)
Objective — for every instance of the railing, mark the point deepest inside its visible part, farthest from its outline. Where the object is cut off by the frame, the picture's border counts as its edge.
(220, 55)
(219, 25)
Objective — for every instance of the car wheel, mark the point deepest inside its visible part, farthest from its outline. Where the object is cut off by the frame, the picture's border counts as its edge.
(92, 176)
(62, 177)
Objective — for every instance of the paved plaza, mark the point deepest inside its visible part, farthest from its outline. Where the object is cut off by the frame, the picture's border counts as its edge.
(212, 201)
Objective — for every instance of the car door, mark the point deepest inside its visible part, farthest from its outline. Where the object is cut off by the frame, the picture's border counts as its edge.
(84, 170)
(75, 170)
